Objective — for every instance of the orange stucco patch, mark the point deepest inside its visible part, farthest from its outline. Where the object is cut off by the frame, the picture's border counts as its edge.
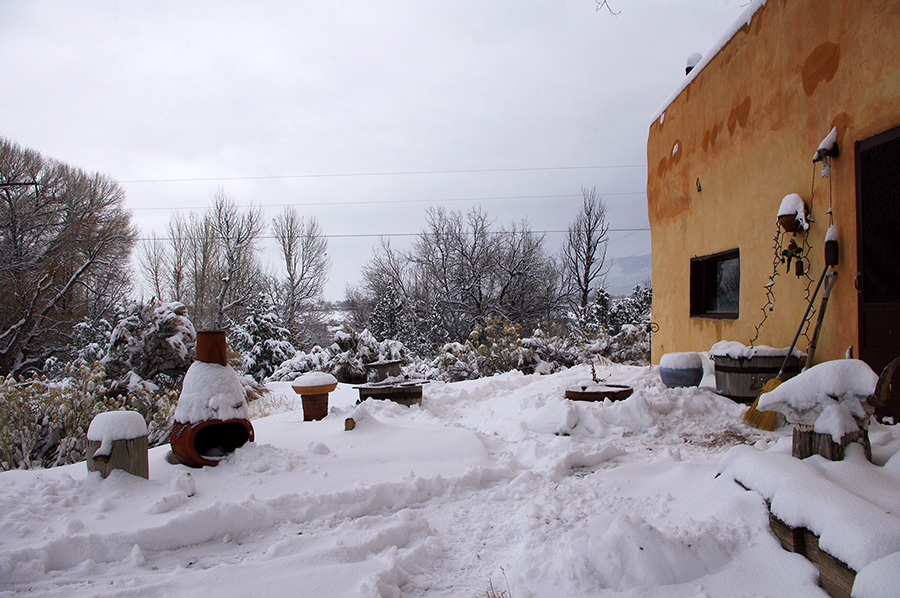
(820, 66)
(739, 115)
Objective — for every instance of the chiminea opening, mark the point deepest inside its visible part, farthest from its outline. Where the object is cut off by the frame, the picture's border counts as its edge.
(218, 439)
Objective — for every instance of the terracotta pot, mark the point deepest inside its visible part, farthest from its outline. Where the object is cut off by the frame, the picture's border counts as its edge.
(315, 400)
(789, 223)
(315, 407)
(211, 347)
(207, 442)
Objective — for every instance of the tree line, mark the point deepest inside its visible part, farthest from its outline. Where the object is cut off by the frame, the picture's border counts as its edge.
(66, 242)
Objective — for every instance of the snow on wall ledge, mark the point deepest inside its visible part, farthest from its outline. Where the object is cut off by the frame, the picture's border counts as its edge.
(743, 20)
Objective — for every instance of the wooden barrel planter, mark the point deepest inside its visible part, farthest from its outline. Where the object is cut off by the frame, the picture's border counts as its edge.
(742, 379)
(211, 418)
(599, 392)
(118, 440)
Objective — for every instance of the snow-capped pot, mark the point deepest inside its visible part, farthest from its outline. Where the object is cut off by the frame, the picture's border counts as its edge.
(313, 388)
(312, 383)
(793, 215)
(681, 370)
(211, 417)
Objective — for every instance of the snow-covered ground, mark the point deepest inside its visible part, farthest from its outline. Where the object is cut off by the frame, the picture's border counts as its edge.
(496, 483)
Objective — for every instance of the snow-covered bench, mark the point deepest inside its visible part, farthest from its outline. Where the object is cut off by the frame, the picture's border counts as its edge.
(841, 515)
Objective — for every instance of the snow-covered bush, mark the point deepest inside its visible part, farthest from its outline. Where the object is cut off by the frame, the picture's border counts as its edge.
(498, 347)
(150, 348)
(345, 358)
(631, 346)
(44, 423)
(262, 340)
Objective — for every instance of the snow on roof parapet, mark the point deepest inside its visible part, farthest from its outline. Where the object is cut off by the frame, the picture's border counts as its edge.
(211, 391)
(743, 20)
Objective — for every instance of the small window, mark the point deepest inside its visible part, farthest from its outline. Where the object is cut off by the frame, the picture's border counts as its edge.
(716, 285)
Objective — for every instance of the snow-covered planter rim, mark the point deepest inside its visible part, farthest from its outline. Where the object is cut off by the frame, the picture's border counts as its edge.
(736, 350)
(314, 379)
(688, 360)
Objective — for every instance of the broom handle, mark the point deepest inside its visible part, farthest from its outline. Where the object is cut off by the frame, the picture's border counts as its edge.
(815, 339)
(802, 323)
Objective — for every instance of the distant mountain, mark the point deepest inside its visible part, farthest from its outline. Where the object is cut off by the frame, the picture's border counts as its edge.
(626, 273)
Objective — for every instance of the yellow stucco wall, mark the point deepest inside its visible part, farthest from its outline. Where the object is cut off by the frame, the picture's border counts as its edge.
(747, 127)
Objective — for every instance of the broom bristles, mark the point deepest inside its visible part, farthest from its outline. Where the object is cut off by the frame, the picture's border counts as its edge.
(762, 420)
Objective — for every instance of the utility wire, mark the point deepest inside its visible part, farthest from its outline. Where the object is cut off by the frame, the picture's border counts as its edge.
(372, 174)
(393, 235)
(387, 201)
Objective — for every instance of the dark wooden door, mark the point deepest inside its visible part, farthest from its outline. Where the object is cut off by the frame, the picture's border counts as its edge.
(878, 234)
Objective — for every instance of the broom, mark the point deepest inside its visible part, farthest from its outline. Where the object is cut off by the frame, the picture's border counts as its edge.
(766, 420)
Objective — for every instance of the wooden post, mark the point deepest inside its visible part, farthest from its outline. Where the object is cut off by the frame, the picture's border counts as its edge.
(129, 455)
(807, 442)
(118, 440)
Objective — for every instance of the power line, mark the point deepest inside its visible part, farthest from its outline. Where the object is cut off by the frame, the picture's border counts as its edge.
(373, 174)
(389, 201)
(393, 235)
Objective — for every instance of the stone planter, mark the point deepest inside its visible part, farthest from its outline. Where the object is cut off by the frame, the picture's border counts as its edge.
(681, 370)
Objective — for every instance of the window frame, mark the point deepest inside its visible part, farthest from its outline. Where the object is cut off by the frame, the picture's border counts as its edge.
(702, 277)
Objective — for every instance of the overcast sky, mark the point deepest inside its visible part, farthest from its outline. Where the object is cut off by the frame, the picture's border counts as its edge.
(361, 114)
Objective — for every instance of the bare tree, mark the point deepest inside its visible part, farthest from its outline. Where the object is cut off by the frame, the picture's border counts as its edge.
(236, 234)
(306, 263)
(65, 243)
(208, 261)
(152, 261)
(463, 270)
(584, 254)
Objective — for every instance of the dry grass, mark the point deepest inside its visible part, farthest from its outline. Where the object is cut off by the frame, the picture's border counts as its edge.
(267, 405)
(492, 593)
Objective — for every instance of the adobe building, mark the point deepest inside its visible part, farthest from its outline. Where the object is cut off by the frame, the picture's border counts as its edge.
(737, 138)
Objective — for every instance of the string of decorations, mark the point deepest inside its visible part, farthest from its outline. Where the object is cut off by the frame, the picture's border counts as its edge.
(796, 255)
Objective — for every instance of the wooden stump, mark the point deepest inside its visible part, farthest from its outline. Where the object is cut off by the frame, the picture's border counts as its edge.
(129, 455)
(807, 442)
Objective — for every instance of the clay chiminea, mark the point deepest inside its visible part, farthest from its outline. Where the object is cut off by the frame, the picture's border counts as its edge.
(211, 418)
